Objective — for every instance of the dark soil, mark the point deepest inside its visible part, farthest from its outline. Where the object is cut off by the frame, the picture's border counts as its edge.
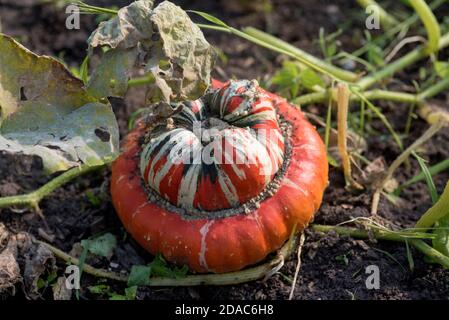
(333, 267)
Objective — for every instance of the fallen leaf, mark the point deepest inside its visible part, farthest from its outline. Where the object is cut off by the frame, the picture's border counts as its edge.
(60, 290)
(39, 260)
(9, 268)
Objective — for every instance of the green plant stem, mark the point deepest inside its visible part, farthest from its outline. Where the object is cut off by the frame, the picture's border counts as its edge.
(405, 25)
(420, 245)
(381, 116)
(230, 278)
(32, 199)
(140, 81)
(343, 74)
(298, 55)
(434, 90)
(86, 267)
(410, 58)
(375, 94)
(436, 212)
(435, 169)
(311, 98)
(378, 94)
(386, 19)
(429, 133)
(266, 41)
(430, 23)
(88, 9)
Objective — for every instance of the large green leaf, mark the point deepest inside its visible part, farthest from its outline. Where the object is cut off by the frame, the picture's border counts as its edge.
(45, 111)
(170, 46)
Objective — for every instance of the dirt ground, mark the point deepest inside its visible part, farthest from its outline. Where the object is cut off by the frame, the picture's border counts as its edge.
(333, 267)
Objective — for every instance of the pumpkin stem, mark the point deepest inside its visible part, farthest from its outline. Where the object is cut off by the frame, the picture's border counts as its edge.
(231, 278)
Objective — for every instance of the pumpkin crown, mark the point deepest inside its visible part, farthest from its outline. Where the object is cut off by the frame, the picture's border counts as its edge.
(217, 152)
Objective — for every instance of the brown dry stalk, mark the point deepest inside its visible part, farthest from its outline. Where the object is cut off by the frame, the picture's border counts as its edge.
(434, 128)
(343, 94)
(298, 265)
(432, 113)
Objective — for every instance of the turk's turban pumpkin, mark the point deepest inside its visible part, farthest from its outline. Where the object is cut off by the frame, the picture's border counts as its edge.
(223, 181)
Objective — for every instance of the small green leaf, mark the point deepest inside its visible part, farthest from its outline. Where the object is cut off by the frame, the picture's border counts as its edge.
(442, 68)
(159, 267)
(139, 275)
(331, 50)
(310, 78)
(52, 277)
(118, 297)
(375, 55)
(343, 258)
(287, 78)
(286, 75)
(93, 199)
(428, 177)
(103, 245)
(131, 293)
(41, 283)
(99, 289)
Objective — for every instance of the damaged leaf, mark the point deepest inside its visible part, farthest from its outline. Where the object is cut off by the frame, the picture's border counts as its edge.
(39, 261)
(164, 40)
(60, 290)
(45, 111)
(9, 268)
(110, 78)
(127, 29)
(21, 251)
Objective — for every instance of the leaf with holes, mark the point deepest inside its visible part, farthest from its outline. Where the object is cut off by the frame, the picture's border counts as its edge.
(164, 40)
(45, 111)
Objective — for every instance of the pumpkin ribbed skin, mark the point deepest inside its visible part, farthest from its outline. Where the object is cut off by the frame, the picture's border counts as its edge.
(230, 243)
(217, 156)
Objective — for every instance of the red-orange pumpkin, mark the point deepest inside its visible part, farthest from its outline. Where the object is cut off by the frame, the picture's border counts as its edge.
(221, 215)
